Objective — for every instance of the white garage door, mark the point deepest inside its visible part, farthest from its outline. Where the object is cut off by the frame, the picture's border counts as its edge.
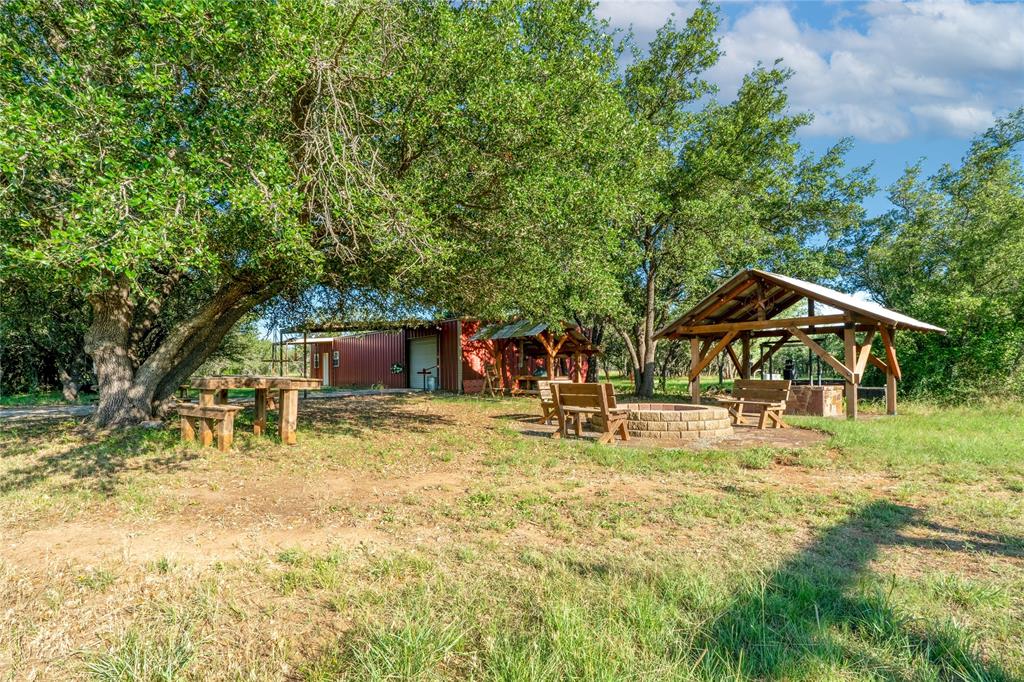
(422, 355)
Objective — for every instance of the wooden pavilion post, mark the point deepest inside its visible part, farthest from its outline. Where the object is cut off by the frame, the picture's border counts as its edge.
(499, 364)
(745, 356)
(695, 358)
(850, 360)
(892, 369)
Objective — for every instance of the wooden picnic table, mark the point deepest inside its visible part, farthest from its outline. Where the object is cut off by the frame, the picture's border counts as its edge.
(213, 390)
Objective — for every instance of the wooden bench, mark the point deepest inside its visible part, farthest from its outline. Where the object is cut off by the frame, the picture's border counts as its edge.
(768, 397)
(576, 401)
(547, 399)
(219, 418)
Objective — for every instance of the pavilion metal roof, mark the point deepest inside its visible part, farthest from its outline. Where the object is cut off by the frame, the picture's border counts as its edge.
(527, 330)
(739, 298)
(516, 330)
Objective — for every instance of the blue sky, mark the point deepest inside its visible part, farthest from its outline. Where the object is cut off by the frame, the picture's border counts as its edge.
(906, 80)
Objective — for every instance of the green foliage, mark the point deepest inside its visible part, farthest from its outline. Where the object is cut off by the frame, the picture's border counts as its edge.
(952, 253)
(370, 139)
(725, 186)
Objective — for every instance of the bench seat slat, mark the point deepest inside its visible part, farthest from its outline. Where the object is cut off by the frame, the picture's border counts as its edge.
(208, 411)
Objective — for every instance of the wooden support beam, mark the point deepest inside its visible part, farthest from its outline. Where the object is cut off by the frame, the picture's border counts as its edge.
(706, 360)
(770, 352)
(761, 302)
(890, 393)
(726, 297)
(829, 329)
(839, 367)
(850, 356)
(696, 353)
(878, 363)
(863, 353)
(751, 325)
(745, 356)
(735, 360)
(888, 338)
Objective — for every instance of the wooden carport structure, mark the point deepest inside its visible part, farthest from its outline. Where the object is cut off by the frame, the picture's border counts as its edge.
(745, 308)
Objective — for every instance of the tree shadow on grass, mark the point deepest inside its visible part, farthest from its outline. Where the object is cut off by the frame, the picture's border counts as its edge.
(99, 465)
(819, 612)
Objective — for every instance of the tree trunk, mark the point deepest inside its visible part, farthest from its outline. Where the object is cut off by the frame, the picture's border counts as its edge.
(122, 402)
(68, 386)
(128, 395)
(647, 345)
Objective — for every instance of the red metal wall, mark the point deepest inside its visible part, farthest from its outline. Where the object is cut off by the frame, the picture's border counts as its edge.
(366, 360)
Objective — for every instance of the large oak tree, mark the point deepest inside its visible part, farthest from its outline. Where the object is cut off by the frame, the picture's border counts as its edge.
(180, 164)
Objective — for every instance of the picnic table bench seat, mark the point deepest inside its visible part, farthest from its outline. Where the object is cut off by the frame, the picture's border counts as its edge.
(765, 396)
(211, 419)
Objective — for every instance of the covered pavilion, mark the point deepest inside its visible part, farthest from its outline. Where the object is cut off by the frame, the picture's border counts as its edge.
(534, 339)
(747, 306)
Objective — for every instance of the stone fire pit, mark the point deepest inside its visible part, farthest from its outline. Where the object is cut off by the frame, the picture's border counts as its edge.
(677, 421)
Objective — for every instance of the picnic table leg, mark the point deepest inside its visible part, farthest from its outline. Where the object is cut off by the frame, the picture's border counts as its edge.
(225, 432)
(205, 432)
(289, 399)
(222, 397)
(206, 397)
(259, 418)
(187, 432)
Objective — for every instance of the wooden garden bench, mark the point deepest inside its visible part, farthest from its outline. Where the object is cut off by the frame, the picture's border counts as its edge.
(576, 401)
(210, 418)
(547, 399)
(767, 397)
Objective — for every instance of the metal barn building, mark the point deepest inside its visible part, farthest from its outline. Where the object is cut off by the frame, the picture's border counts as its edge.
(447, 355)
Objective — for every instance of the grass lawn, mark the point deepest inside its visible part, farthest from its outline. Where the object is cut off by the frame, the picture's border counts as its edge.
(437, 538)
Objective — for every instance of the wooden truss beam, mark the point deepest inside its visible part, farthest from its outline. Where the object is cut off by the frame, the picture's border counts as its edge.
(752, 325)
(706, 360)
(727, 297)
(839, 367)
(863, 353)
(890, 353)
(770, 352)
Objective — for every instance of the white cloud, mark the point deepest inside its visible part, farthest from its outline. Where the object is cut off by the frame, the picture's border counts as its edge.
(646, 16)
(882, 70)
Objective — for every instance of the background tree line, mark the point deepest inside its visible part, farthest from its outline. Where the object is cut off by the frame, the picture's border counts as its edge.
(172, 171)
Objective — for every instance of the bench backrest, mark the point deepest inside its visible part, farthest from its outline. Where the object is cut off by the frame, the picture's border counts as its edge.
(591, 396)
(753, 389)
(544, 389)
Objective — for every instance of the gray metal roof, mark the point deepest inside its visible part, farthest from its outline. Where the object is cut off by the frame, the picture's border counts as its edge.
(516, 330)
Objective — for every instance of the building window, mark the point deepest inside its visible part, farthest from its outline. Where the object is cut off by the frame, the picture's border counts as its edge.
(336, 358)
(316, 361)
